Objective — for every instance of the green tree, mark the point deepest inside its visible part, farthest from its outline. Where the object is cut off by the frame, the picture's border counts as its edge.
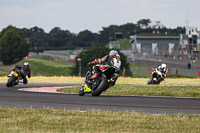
(97, 52)
(59, 38)
(144, 23)
(13, 45)
(85, 39)
(36, 37)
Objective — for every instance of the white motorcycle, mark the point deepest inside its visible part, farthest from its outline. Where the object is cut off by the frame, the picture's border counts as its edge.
(156, 78)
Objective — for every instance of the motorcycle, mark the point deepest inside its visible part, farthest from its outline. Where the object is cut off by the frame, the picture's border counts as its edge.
(98, 85)
(14, 78)
(156, 78)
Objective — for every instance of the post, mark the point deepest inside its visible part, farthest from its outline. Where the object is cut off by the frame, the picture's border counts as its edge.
(79, 60)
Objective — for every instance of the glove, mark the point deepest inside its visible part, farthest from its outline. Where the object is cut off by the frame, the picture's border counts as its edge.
(16, 66)
(90, 64)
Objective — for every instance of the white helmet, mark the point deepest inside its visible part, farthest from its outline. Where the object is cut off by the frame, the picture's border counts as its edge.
(164, 66)
(113, 52)
(26, 64)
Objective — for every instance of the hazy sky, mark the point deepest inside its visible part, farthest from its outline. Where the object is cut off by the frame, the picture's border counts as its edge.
(79, 15)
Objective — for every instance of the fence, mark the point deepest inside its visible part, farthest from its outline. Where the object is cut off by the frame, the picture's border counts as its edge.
(51, 56)
(139, 71)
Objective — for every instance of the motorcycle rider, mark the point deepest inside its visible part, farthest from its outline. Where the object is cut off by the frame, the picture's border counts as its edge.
(24, 70)
(162, 69)
(108, 59)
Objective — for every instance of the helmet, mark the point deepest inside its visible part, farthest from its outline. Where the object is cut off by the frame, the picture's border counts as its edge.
(163, 66)
(26, 64)
(113, 52)
(117, 56)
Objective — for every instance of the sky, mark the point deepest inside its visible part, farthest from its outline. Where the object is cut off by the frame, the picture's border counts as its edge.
(80, 15)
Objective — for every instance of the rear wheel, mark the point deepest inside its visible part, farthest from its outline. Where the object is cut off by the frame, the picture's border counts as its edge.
(101, 87)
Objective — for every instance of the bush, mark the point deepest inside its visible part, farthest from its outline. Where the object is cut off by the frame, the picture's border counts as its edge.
(13, 45)
(97, 52)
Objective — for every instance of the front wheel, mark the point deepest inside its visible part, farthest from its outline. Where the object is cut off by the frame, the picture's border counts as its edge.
(101, 87)
(150, 81)
(81, 92)
(11, 80)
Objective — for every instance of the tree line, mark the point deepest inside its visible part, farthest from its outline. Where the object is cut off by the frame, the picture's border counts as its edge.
(58, 38)
(15, 43)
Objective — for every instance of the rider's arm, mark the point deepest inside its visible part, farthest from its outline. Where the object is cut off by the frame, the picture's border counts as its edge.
(103, 66)
(99, 60)
(19, 67)
(16, 67)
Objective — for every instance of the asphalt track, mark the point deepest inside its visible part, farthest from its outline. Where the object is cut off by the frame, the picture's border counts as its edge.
(12, 97)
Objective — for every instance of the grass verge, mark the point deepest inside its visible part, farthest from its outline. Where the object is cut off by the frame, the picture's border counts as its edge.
(121, 80)
(3, 73)
(146, 90)
(48, 68)
(15, 120)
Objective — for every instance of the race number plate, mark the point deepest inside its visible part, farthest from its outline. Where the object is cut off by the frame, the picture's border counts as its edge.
(15, 74)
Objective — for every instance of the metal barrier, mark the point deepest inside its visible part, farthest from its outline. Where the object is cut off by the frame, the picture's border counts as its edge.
(139, 71)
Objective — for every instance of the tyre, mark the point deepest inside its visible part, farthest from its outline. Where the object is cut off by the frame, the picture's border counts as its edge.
(157, 83)
(81, 92)
(10, 81)
(101, 87)
(150, 81)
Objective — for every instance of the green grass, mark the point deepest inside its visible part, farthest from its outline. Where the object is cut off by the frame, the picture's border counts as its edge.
(16, 120)
(48, 68)
(142, 65)
(124, 44)
(146, 90)
(3, 73)
(140, 73)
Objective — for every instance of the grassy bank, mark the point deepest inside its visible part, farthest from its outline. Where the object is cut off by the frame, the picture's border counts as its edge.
(49, 68)
(15, 120)
(45, 67)
(3, 73)
(146, 90)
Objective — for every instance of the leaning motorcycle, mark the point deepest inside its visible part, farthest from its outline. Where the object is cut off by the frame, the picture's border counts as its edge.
(98, 85)
(14, 78)
(156, 78)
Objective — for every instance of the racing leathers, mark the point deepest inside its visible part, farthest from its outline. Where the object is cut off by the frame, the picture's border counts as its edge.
(107, 60)
(161, 72)
(24, 70)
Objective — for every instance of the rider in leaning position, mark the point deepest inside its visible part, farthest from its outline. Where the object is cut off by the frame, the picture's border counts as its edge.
(162, 69)
(108, 59)
(24, 70)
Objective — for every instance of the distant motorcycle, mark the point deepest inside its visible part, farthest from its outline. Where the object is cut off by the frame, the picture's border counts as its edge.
(156, 78)
(14, 78)
(98, 85)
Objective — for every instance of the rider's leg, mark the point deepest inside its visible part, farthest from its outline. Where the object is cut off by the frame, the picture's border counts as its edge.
(25, 81)
(97, 72)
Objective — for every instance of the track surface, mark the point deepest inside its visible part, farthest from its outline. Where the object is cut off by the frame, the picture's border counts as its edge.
(11, 97)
